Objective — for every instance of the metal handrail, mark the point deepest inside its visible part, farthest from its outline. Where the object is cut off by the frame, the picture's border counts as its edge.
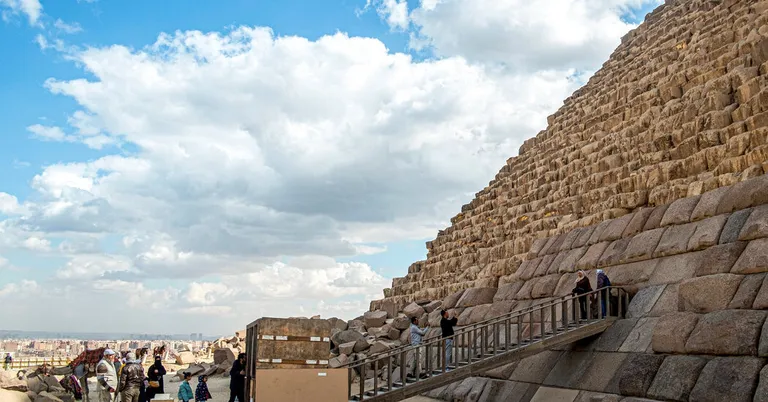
(570, 320)
(485, 323)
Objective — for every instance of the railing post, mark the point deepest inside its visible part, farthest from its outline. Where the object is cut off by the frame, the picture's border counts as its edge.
(553, 314)
(428, 360)
(496, 337)
(519, 330)
(418, 363)
(362, 381)
(531, 326)
(543, 320)
(564, 313)
(375, 377)
(483, 341)
(444, 352)
(389, 373)
(404, 367)
(349, 381)
(600, 304)
(621, 301)
(507, 335)
(589, 306)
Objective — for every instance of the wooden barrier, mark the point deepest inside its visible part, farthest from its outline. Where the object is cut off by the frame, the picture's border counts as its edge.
(24, 362)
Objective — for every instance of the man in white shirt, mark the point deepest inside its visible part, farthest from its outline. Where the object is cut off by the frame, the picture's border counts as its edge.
(106, 377)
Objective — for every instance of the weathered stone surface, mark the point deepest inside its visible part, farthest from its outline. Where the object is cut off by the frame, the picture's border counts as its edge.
(546, 394)
(754, 258)
(413, 310)
(708, 203)
(613, 337)
(637, 373)
(672, 331)
(571, 260)
(592, 256)
(708, 293)
(508, 291)
(545, 286)
(375, 319)
(639, 218)
(602, 367)
(632, 273)
(568, 370)
(476, 297)
(749, 193)
(432, 306)
(756, 225)
(450, 301)
(10, 382)
(733, 226)
(680, 211)
(667, 302)
(401, 323)
(507, 391)
(639, 340)
(654, 219)
(707, 233)
(676, 378)
(748, 290)
(719, 259)
(643, 301)
(388, 332)
(761, 394)
(479, 313)
(534, 369)
(13, 396)
(503, 372)
(727, 332)
(185, 358)
(347, 348)
(500, 307)
(613, 253)
(470, 389)
(615, 229)
(732, 379)
(338, 361)
(676, 268)
(642, 246)
(675, 240)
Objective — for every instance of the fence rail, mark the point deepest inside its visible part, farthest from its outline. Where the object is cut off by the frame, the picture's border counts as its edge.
(24, 362)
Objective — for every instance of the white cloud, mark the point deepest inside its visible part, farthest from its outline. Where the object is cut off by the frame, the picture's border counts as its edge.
(31, 8)
(47, 133)
(67, 28)
(394, 12)
(37, 244)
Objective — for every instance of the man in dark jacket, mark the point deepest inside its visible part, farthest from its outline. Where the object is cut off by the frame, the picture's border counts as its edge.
(446, 325)
(131, 379)
(237, 380)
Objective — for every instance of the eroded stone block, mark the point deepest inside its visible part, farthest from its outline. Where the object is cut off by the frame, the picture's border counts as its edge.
(754, 258)
(679, 212)
(676, 378)
(671, 332)
(708, 293)
(731, 379)
(727, 332)
(756, 225)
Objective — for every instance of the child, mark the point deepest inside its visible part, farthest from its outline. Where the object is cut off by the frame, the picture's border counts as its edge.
(185, 390)
(202, 394)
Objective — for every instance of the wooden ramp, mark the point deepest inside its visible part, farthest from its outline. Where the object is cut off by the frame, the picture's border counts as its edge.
(483, 346)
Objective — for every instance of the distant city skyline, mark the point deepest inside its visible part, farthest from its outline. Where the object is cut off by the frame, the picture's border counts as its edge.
(104, 336)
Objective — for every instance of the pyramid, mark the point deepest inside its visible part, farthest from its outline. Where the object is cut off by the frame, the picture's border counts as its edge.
(655, 171)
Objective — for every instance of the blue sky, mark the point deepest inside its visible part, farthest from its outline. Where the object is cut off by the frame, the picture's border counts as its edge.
(280, 176)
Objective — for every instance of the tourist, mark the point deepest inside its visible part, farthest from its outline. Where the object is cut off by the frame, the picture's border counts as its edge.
(155, 375)
(201, 393)
(106, 376)
(237, 379)
(185, 390)
(446, 326)
(416, 337)
(582, 287)
(131, 379)
(603, 282)
(8, 361)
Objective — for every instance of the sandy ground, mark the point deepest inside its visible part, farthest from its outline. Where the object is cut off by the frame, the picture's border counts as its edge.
(217, 385)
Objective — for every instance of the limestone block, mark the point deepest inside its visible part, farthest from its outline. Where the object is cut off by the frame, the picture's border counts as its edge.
(708, 203)
(637, 373)
(613, 337)
(720, 259)
(672, 331)
(375, 319)
(639, 340)
(613, 253)
(761, 394)
(635, 225)
(676, 268)
(507, 391)
(748, 290)
(545, 286)
(450, 301)
(508, 291)
(432, 306)
(568, 370)
(503, 372)
(643, 301)
(565, 285)
(707, 233)
(544, 265)
(676, 378)
(632, 273)
(528, 268)
(592, 256)
(499, 308)
(615, 229)
(675, 240)
(756, 225)
(584, 236)
(754, 258)
(479, 313)
(555, 266)
(546, 394)
(727, 332)
(602, 367)
(340, 338)
(536, 247)
(642, 246)
(599, 229)
(534, 369)
(708, 293)
(433, 318)
(654, 219)
(745, 194)
(525, 291)
(347, 348)
(730, 379)
(667, 302)
(761, 300)
(680, 211)
(413, 310)
(570, 238)
(470, 389)
(733, 226)
(571, 260)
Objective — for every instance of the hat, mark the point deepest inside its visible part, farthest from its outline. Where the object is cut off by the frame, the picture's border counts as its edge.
(599, 271)
(130, 356)
(109, 352)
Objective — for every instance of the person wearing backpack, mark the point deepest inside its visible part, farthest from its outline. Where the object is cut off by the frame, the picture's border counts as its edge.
(603, 282)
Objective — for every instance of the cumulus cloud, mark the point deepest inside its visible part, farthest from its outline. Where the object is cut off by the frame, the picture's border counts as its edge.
(32, 9)
(239, 166)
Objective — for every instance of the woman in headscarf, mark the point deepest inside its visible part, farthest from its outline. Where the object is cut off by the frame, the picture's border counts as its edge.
(582, 286)
(155, 375)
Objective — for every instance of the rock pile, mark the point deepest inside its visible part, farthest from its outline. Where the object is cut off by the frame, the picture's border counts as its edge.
(225, 351)
(35, 388)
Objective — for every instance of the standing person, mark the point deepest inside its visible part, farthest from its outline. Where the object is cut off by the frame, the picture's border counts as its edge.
(106, 376)
(416, 337)
(446, 326)
(237, 379)
(155, 375)
(201, 393)
(603, 282)
(185, 390)
(8, 361)
(131, 379)
(582, 287)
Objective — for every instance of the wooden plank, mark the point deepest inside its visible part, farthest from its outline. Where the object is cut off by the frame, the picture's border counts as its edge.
(291, 343)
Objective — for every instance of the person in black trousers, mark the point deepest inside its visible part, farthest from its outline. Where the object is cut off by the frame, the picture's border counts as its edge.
(582, 287)
(237, 379)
